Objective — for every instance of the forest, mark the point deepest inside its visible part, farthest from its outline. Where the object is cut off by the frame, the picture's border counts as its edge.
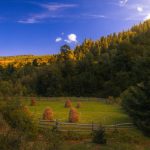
(101, 68)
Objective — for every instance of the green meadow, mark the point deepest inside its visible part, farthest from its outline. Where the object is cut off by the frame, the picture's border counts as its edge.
(96, 110)
(92, 110)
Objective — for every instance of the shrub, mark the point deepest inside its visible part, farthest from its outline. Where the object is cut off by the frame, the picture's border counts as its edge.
(33, 102)
(73, 115)
(48, 114)
(118, 100)
(68, 104)
(15, 115)
(78, 105)
(54, 139)
(136, 101)
(3, 125)
(99, 136)
(71, 135)
(26, 110)
(10, 141)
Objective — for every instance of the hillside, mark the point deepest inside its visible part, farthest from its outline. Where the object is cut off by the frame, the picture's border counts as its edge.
(95, 68)
(138, 36)
(21, 60)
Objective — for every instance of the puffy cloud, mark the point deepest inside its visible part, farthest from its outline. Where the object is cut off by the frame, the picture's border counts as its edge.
(72, 38)
(140, 9)
(58, 39)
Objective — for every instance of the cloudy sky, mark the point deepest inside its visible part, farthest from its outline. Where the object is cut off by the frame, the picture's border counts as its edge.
(42, 26)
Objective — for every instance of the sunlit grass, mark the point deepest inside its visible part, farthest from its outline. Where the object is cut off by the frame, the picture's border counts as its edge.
(92, 110)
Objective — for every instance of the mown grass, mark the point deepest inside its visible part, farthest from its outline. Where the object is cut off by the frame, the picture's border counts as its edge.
(92, 110)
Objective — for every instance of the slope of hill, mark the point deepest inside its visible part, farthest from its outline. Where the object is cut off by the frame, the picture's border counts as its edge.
(136, 36)
(95, 68)
(21, 60)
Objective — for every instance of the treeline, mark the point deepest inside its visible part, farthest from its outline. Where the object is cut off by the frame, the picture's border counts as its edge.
(101, 68)
(22, 60)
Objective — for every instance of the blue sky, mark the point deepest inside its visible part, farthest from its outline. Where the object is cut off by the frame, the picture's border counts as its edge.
(41, 26)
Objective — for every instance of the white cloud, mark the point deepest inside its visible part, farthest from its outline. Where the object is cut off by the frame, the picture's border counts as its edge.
(55, 7)
(140, 9)
(28, 21)
(123, 2)
(36, 18)
(130, 9)
(58, 39)
(51, 11)
(147, 17)
(120, 3)
(72, 38)
(94, 16)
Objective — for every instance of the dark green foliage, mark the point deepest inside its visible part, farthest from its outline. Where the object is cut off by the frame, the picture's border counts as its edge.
(49, 81)
(10, 141)
(99, 136)
(18, 117)
(71, 135)
(136, 101)
(53, 138)
(65, 48)
(35, 63)
(8, 88)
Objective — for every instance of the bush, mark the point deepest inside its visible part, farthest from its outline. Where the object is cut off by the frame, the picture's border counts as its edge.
(3, 124)
(26, 110)
(136, 101)
(10, 141)
(99, 136)
(6, 88)
(78, 105)
(68, 104)
(33, 102)
(48, 114)
(17, 117)
(71, 135)
(73, 115)
(118, 100)
(53, 138)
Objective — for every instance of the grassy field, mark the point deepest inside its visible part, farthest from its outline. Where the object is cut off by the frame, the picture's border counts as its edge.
(96, 110)
(92, 109)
